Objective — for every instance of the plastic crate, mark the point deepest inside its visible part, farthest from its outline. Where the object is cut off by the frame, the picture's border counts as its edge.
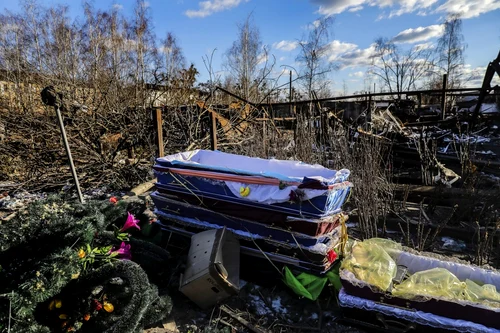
(213, 268)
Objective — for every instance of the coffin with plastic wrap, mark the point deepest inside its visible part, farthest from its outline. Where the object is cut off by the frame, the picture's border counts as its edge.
(381, 271)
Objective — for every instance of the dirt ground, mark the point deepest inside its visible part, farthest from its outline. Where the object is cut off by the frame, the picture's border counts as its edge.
(266, 309)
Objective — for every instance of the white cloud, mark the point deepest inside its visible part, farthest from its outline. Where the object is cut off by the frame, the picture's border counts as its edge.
(117, 6)
(358, 57)
(355, 9)
(473, 77)
(410, 6)
(423, 46)
(357, 74)
(282, 58)
(419, 34)
(331, 7)
(286, 45)
(469, 8)
(262, 58)
(336, 49)
(210, 7)
(466, 8)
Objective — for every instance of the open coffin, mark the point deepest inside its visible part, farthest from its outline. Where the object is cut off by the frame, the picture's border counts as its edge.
(290, 187)
(387, 318)
(381, 271)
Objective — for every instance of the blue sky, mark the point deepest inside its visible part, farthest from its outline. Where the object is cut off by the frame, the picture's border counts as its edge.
(202, 26)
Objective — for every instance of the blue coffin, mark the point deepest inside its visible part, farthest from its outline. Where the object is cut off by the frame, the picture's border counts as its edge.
(291, 187)
(167, 207)
(249, 250)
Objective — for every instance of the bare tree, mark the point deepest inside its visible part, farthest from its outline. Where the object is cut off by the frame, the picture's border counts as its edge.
(174, 58)
(450, 51)
(248, 60)
(106, 66)
(399, 70)
(313, 51)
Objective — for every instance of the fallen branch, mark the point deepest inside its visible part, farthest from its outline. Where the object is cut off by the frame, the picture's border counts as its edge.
(242, 321)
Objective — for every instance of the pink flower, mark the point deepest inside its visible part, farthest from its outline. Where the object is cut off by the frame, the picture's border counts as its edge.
(131, 222)
(123, 251)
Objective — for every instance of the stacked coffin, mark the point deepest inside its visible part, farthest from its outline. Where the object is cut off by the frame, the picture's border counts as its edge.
(286, 211)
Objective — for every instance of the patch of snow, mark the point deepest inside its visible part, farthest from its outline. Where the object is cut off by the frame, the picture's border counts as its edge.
(489, 152)
(278, 307)
(453, 244)
(261, 308)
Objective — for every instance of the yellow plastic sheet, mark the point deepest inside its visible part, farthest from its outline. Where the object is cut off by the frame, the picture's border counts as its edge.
(486, 294)
(435, 283)
(371, 263)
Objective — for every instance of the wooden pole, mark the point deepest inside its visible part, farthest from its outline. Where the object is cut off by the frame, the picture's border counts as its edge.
(68, 152)
(443, 95)
(290, 93)
(419, 96)
(264, 135)
(369, 110)
(158, 124)
(213, 131)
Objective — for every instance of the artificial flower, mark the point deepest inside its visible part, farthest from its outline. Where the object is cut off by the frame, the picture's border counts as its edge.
(123, 251)
(332, 256)
(108, 307)
(131, 222)
(97, 305)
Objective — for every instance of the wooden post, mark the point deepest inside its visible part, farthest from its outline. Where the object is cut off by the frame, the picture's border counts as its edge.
(290, 93)
(419, 96)
(158, 124)
(443, 95)
(264, 134)
(369, 111)
(213, 131)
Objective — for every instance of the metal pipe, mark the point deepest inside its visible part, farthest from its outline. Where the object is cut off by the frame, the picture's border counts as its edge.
(68, 152)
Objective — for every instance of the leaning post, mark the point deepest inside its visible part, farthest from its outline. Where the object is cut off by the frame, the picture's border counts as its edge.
(158, 125)
(52, 98)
